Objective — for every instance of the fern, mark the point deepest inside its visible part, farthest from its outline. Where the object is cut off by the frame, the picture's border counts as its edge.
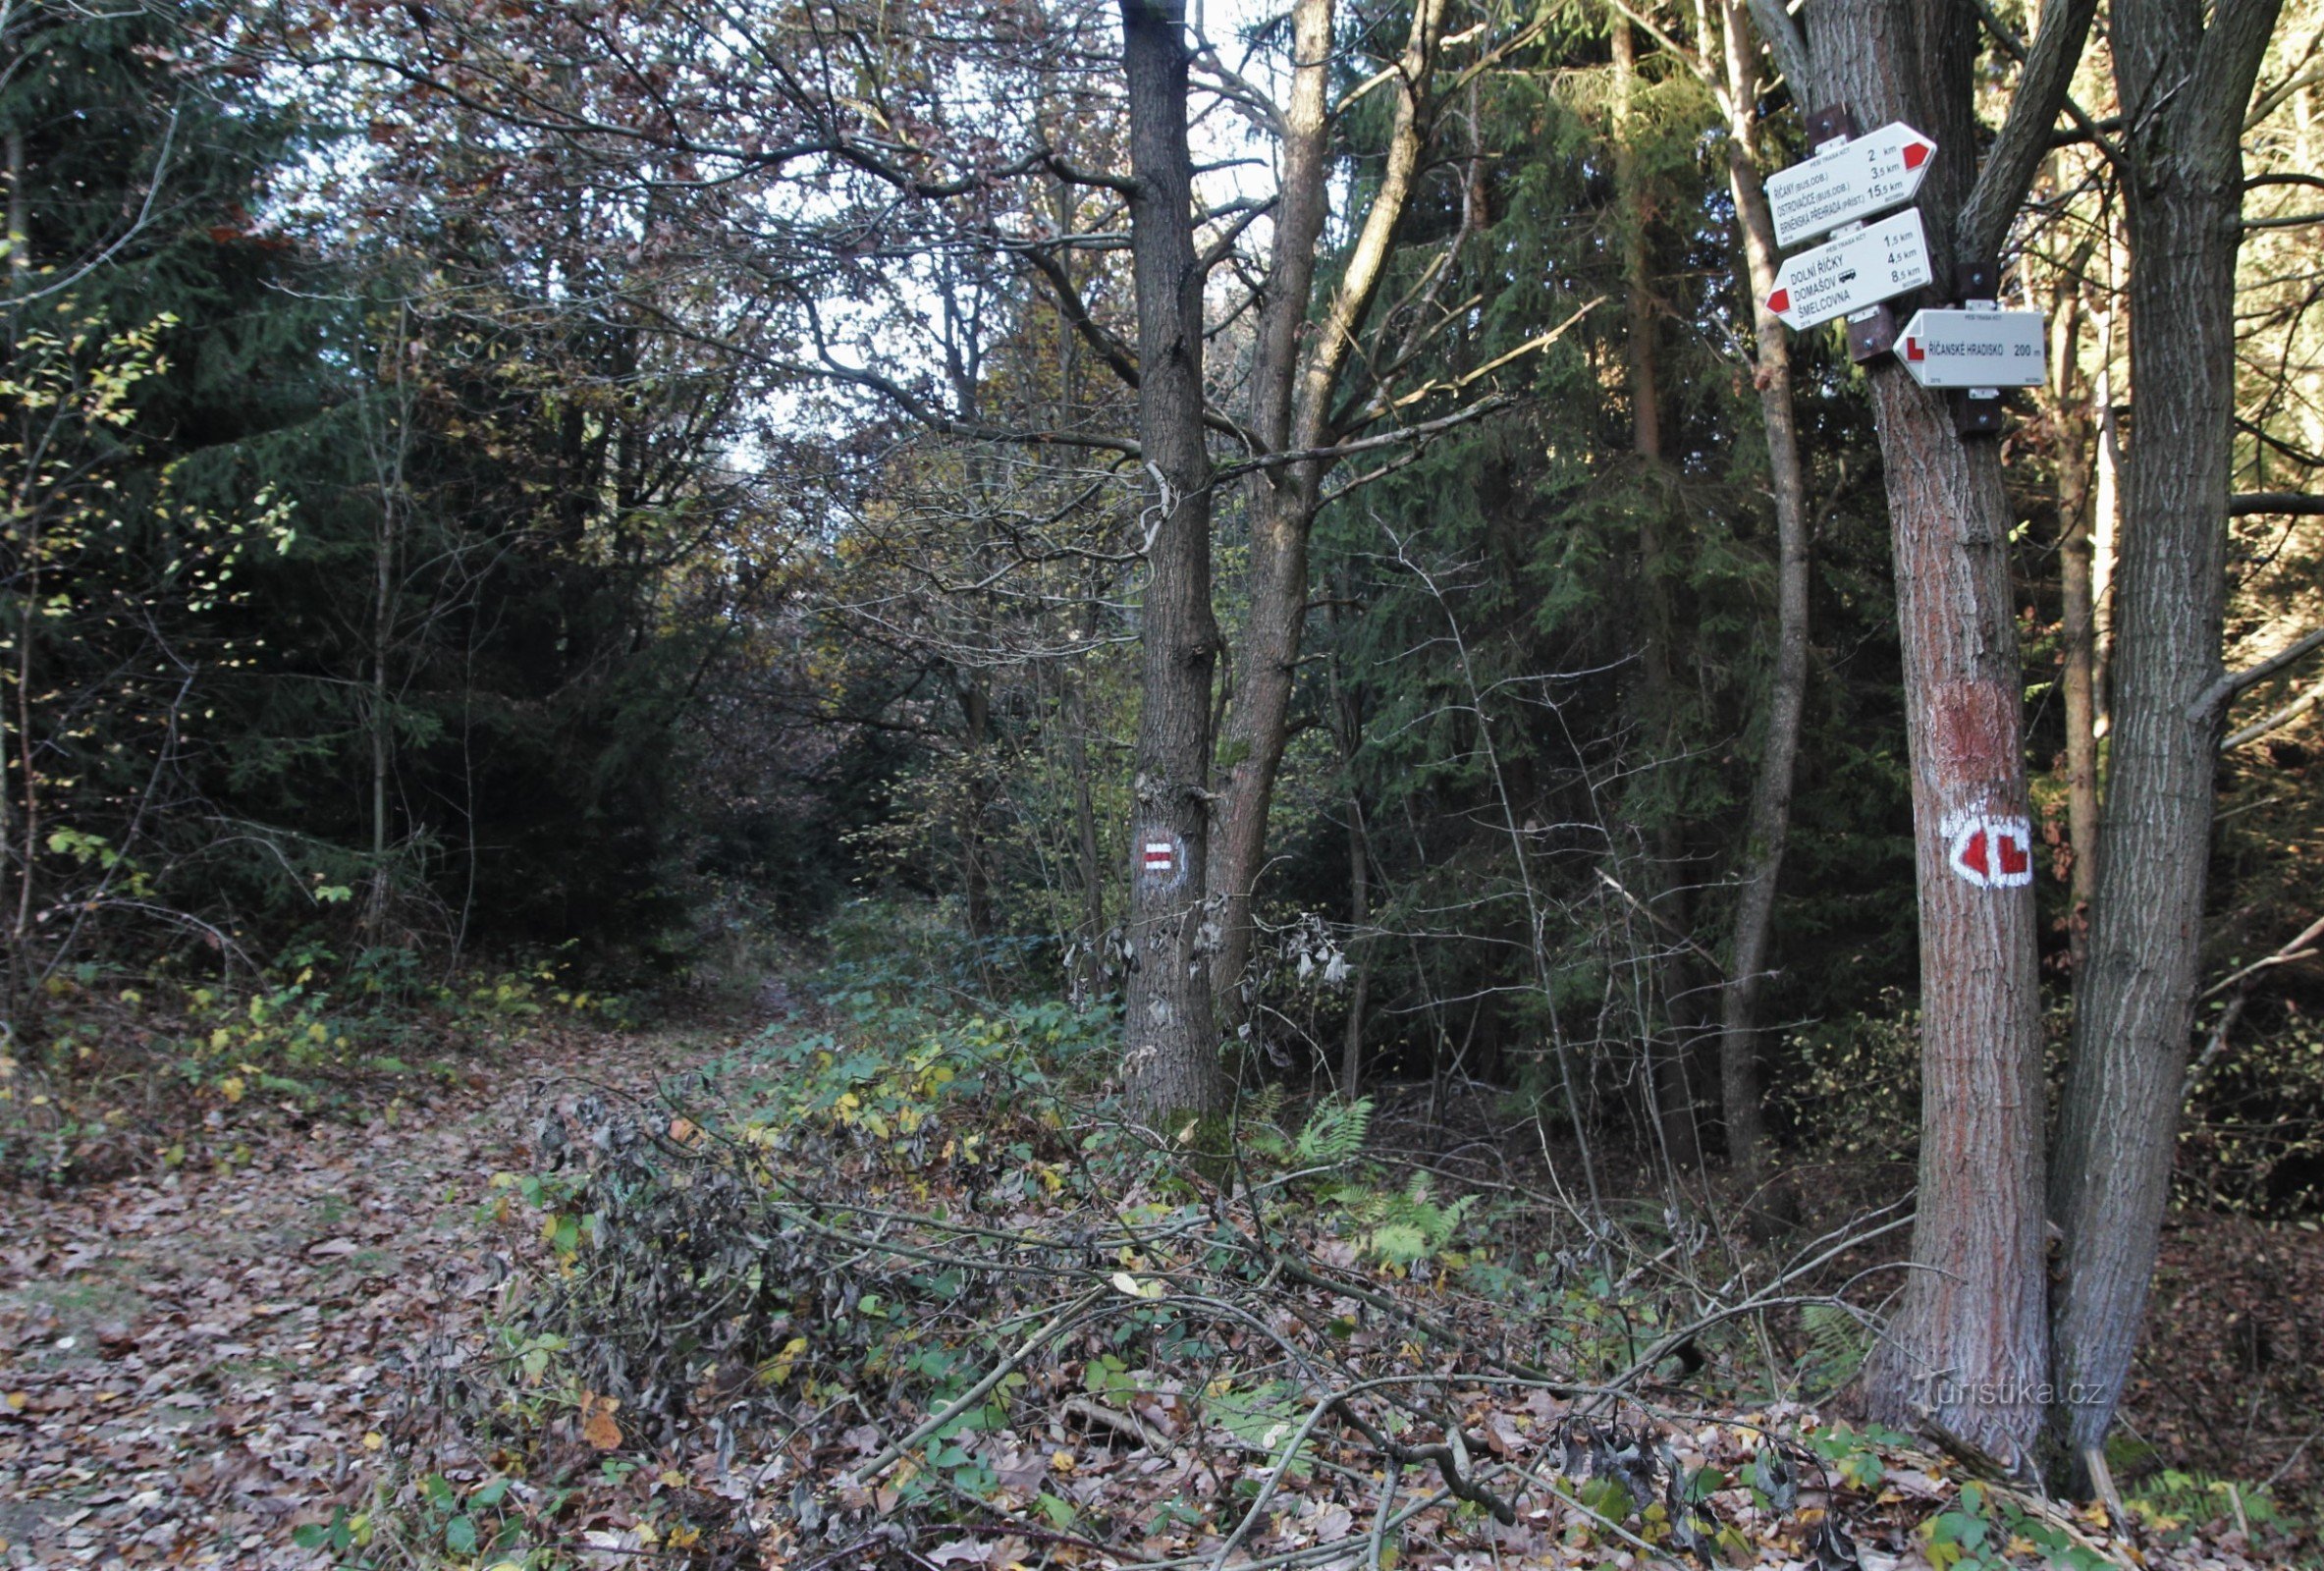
(1836, 1345)
(1403, 1228)
(1334, 1133)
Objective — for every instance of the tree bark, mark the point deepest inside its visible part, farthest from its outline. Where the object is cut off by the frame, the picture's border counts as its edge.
(2071, 427)
(2184, 88)
(1171, 1058)
(1674, 1100)
(1968, 1351)
(1292, 409)
(1348, 733)
(1771, 791)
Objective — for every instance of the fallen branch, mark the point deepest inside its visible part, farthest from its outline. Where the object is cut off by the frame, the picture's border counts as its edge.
(1057, 1325)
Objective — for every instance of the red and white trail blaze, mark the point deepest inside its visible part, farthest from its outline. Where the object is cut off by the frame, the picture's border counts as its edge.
(1991, 851)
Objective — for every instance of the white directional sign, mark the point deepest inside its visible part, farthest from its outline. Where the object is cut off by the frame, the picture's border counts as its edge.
(1879, 260)
(1976, 349)
(1868, 175)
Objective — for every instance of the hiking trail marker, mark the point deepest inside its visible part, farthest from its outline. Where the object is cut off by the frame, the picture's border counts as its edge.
(1853, 272)
(1992, 851)
(1979, 349)
(1849, 179)
(1161, 859)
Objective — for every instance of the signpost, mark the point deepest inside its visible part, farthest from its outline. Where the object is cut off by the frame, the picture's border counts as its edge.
(1978, 349)
(1852, 180)
(1954, 347)
(1853, 272)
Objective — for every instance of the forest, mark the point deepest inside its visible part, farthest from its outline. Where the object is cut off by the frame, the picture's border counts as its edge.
(1104, 782)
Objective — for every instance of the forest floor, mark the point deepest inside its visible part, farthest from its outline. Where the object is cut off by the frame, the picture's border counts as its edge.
(197, 1365)
(193, 1361)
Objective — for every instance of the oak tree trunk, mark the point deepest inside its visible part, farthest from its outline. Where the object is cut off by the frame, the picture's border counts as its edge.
(1967, 1349)
(2184, 86)
(1172, 1058)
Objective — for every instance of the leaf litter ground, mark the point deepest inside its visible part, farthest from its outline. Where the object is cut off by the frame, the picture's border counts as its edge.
(667, 1299)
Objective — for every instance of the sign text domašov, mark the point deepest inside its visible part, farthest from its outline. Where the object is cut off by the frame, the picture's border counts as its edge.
(1976, 349)
(1878, 261)
(1868, 175)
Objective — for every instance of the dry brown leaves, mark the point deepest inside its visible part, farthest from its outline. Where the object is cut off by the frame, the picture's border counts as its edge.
(192, 1364)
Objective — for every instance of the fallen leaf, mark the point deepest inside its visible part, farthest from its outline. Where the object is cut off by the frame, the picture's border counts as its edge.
(597, 1421)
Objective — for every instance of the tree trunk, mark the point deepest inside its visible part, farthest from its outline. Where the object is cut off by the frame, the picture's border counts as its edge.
(976, 883)
(2072, 429)
(1771, 791)
(1348, 731)
(2106, 503)
(1968, 1350)
(1172, 1058)
(18, 263)
(2185, 88)
(1674, 1100)
(1085, 834)
(1292, 408)
(1351, 1073)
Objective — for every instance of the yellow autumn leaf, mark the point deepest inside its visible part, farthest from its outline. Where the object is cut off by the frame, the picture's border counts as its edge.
(232, 1087)
(597, 1421)
(789, 1356)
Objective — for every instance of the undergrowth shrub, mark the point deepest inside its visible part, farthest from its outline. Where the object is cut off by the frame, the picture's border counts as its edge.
(152, 1067)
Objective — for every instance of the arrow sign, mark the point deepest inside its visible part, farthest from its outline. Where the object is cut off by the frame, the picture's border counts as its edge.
(1866, 176)
(1976, 349)
(1857, 270)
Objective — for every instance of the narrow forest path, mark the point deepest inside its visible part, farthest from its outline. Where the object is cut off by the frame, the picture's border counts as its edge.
(192, 1363)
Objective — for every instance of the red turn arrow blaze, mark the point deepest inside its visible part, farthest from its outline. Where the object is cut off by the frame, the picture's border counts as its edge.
(1993, 852)
(1916, 153)
(1780, 301)
(1914, 351)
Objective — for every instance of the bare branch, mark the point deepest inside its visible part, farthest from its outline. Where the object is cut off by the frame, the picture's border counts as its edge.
(1784, 41)
(2215, 697)
(2275, 503)
(2025, 135)
(2268, 725)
